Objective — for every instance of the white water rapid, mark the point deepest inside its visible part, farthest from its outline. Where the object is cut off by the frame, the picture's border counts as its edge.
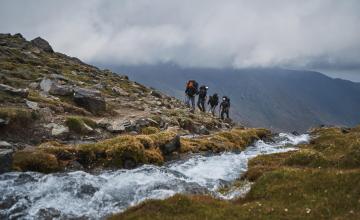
(81, 195)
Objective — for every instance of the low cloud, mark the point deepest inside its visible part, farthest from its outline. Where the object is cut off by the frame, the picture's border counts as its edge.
(322, 34)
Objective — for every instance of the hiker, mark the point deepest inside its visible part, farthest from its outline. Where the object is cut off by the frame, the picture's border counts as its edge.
(190, 92)
(213, 102)
(224, 107)
(202, 98)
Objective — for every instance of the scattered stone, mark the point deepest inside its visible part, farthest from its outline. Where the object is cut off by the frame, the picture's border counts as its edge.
(14, 91)
(6, 145)
(59, 130)
(32, 105)
(5, 160)
(202, 130)
(119, 91)
(171, 146)
(121, 126)
(48, 213)
(156, 94)
(42, 44)
(34, 85)
(89, 99)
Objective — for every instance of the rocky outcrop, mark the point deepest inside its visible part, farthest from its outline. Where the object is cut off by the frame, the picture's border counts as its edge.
(42, 44)
(5, 160)
(52, 87)
(90, 99)
(171, 146)
(14, 91)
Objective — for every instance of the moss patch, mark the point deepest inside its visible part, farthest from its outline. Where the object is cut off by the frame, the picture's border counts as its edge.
(80, 125)
(235, 139)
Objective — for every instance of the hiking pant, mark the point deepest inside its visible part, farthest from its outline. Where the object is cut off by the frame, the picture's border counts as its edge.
(188, 100)
(201, 104)
(224, 111)
(212, 109)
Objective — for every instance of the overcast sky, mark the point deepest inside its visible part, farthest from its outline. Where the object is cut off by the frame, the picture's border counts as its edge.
(299, 34)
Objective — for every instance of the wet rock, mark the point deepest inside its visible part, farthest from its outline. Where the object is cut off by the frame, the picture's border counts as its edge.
(5, 145)
(3, 122)
(129, 163)
(48, 214)
(88, 189)
(5, 160)
(24, 178)
(171, 146)
(14, 91)
(8, 202)
(42, 44)
(74, 166)
(32, 105)
(58, 130)
(90, 99)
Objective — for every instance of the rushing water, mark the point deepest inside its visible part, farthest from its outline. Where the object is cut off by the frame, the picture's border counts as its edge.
(81, 195)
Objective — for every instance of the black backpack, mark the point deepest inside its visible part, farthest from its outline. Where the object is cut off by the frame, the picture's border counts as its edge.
(214, 100)
(226, 102)
(202, 92)
(191, 88)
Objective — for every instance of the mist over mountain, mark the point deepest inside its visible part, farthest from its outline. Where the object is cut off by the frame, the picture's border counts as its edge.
(283, 100)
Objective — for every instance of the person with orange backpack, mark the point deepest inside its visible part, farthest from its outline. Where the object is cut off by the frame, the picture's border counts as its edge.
(190, 92)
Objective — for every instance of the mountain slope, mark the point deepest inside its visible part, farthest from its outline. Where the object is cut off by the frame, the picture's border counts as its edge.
(284, 100)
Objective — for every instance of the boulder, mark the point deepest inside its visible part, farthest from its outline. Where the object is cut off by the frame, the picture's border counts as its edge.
(52, 87)
(4, 121)
(14, 91)
(58, 130)
(5, 160)
(121, 126)
(32, 105)
(5, 145)
(90, 99)
(171, 146)
(42, 44)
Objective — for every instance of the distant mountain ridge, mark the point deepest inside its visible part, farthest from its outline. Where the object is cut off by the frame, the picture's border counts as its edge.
(283, 100)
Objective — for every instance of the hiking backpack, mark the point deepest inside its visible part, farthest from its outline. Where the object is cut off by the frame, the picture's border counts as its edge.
(191, 88)
(202, 92)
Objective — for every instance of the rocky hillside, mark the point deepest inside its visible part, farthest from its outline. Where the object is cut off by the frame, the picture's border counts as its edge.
(57, 112)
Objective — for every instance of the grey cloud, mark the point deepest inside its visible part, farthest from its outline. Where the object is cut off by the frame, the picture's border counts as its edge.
(234, 33)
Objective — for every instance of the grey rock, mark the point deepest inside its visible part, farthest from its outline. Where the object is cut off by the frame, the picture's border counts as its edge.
(5, 160)
(34, 85)
(59, 130)
(171, 146)
(6, 145)
(74, 165)
(156, 94)
(32, 105)
(119, 91)
(4, 122)
(42, 44)
(121, 126)
(90, 99)
(14, 91)
(52, 87)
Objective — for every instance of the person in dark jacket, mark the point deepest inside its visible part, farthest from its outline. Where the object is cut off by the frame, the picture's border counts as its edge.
(225, 107)
(213, 102)
(190, 92)
(202, 98)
